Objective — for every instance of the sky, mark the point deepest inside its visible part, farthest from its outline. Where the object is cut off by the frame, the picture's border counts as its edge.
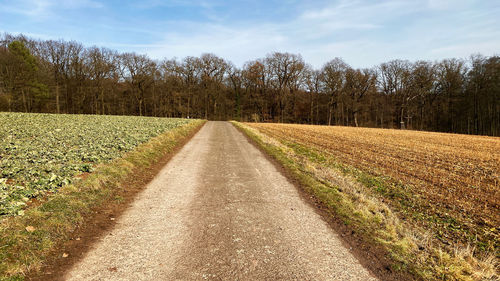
(362, 32)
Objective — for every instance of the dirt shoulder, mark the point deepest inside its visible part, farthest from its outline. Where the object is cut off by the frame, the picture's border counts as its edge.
(347, 195)
(219, 210)
(39, 243)
(372, 256)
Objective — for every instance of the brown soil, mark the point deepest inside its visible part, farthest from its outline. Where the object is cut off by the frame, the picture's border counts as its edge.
(453, 177)
(241, 195)
(371, 256)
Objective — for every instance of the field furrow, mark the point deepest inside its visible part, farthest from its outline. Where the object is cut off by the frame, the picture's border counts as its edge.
(455, 176)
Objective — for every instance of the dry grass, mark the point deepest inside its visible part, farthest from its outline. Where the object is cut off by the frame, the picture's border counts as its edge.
(368, 200)
(27, 240)
(454, 178)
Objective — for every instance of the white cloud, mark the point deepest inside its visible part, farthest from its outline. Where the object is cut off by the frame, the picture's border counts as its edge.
(149, 4)
(26, 7)
(41, 9)
(444, 5)
(362, 32)
(76, 4)
(313, 34)
(30, 34)
(237, 44)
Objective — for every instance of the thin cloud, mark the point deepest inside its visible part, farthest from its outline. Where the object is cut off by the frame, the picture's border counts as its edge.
(150, 4)
(349, 29)
(45, 8)
(26, 7)
(363, 32)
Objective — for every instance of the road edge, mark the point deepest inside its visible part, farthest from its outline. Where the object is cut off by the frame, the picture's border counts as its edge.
(70, 220)
(372, 256)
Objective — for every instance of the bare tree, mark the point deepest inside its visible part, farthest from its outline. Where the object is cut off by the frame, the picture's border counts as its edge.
(101, 66)
(314, 86)
(285, 69)
(450, 80)
(423, 88)
(256, 81)
(358, 84)
(56, 54)
(235, 81)
(191, 73)
(138, 73)
(212, 70)
(395, 80)
(334, 81)
(451, 95)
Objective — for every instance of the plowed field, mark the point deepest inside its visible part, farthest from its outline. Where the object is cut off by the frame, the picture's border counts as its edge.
(455, 174)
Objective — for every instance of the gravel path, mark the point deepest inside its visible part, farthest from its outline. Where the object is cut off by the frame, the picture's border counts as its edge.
(219, 210)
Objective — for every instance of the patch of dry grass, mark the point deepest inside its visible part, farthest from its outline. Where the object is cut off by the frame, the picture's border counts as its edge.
(456, 176)
(349, 193)
(25, 241)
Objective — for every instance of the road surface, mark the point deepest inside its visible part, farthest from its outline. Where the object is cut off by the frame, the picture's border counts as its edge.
(219, 210)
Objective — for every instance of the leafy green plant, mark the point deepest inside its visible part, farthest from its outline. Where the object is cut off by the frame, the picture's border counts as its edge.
(39, 153)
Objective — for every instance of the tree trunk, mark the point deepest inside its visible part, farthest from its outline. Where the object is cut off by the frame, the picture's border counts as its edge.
(206, 104)
(67, 99)
(422, 117)
(311, 109)
(402, 121)
(330, 115)
(215, 109)
(24, 101)
(317, 109)
(96, 101)
(102, 101)
(342, 113)
(58, 108)
(154, 101)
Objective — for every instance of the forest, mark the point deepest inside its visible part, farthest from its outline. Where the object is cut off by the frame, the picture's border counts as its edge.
(56, 76)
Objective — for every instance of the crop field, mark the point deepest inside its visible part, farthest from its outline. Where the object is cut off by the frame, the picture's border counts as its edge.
(39, 153)
(453, 180)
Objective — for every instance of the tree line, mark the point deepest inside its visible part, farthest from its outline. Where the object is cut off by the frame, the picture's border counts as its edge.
(56, 76)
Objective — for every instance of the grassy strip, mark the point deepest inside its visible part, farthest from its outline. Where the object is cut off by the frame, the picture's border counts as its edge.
(26, 241)
(402, 198)
(353, 196)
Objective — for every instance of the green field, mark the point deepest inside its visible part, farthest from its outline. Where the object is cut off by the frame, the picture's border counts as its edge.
(39, 153)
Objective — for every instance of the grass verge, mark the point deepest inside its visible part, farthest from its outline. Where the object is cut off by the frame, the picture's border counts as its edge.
(364, 203)
(27, 241)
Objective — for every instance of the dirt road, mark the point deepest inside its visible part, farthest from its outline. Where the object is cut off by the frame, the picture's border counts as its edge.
(219, 210)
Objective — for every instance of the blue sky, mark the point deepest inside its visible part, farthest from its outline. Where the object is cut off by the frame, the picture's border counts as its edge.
(363, 33)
